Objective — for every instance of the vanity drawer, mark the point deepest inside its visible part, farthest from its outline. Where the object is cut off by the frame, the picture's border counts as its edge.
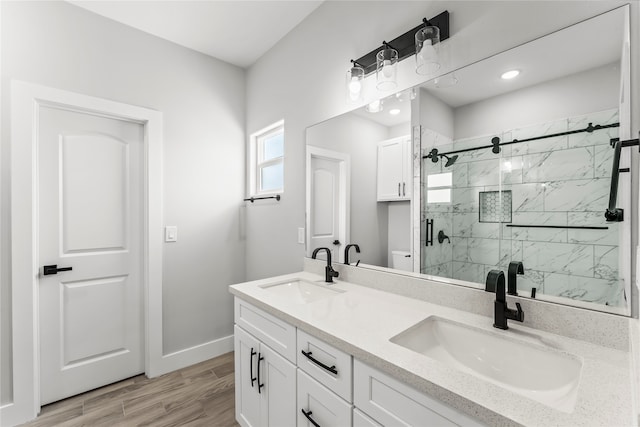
(320, 404)
(362, 420)
(275, 333)
(328, 365)
(393, 403)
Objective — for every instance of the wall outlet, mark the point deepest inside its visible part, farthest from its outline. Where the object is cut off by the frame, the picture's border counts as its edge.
(171, 233)
(301, 235)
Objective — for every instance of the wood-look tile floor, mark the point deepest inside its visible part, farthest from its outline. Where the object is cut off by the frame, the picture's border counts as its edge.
(199, 395)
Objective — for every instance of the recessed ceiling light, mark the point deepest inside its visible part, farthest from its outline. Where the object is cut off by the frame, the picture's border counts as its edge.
(394, 112)
(374, 107)
(507, 75)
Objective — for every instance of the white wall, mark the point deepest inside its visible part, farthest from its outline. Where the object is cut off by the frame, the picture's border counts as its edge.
(359, 138)
(581, 93)
(301, 80)
(436, 115)
(203, 103)
(399, 228)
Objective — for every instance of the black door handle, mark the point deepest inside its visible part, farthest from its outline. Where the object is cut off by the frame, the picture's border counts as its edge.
(53, 269)
(253, 379)
(260, 358)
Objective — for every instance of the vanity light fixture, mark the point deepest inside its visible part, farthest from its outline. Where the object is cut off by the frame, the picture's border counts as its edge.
(387, 68)
(355, 81)
(384, 59)
(508, 75)
(427, 46)
(394, 111)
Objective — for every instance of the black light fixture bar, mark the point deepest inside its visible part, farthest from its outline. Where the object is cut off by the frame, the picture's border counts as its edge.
(406, 43)
(589, 129)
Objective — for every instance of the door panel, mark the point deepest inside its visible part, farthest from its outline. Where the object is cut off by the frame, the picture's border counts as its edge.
(93, 319)
(278, 406)
(246, 364)
(94, 193)
(90, 219)
(327, 205)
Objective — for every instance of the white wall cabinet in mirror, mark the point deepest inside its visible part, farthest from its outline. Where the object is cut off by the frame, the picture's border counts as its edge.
(395, 163)
(542, 201)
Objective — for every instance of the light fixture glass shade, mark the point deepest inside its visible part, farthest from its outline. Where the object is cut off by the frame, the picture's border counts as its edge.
(386, 69)
(427, 46)
(355, 84)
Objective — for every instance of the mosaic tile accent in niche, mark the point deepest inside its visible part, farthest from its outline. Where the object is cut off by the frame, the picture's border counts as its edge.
(492, 209)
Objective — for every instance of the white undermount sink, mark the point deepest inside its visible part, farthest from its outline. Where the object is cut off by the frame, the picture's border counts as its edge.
(539, 373)
(301, 291)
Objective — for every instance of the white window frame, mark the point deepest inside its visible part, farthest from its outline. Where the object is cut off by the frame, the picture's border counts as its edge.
(256, 164)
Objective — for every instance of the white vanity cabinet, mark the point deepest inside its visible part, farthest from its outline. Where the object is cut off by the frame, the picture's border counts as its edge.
(286, 377)
(265, 381)
(394, 169)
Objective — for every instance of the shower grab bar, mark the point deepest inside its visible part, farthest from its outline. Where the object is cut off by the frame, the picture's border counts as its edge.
(494, 145)
(613, 214)
(580, 227)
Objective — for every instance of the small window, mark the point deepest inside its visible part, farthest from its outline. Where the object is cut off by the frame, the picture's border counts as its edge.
(439, 187)
(266, 169)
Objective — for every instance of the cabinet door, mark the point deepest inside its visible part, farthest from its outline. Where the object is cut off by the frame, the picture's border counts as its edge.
(278, 392)
(317, 404)
(246, 363)
(407, 168)
(390, 170)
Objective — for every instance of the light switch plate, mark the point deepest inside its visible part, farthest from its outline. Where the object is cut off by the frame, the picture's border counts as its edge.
(301, 235)
(171, 233)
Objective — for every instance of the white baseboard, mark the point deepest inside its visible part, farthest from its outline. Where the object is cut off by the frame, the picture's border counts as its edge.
(10, 415)
(192, 355)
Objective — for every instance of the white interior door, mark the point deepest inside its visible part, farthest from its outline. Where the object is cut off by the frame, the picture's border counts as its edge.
(327, 201)
(90, 221)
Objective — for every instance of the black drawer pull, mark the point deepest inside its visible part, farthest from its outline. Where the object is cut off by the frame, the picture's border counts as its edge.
(260, 358)
(331, 369)
(308, 415)
(253, 379)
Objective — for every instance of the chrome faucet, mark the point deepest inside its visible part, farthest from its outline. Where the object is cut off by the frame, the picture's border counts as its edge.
(502, 312)
(346, 252)
(515, 268)
(329, 272)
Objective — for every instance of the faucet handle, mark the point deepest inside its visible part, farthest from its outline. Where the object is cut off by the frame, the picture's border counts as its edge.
(520, 313)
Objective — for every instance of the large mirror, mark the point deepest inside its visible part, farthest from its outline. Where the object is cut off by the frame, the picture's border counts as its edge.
(471, 171)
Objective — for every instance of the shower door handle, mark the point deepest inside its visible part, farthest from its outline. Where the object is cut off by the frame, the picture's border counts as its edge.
(429, 233)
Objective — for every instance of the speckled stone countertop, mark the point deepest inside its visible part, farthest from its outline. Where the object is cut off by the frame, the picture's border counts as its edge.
(361, 320)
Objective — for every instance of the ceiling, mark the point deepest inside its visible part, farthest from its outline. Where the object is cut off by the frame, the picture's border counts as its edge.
(238, 32)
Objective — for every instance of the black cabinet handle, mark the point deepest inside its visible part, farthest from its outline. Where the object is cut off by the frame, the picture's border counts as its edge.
(260, 358)
(404, 184)
(253, 353)
(53, 269)
(331, 369)
(308, 416)
(398, 189)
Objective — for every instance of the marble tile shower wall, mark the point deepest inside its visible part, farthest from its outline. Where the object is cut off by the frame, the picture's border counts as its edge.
(555, 181)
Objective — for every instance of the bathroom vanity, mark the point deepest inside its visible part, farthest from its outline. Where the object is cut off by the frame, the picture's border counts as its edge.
(313, 354)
